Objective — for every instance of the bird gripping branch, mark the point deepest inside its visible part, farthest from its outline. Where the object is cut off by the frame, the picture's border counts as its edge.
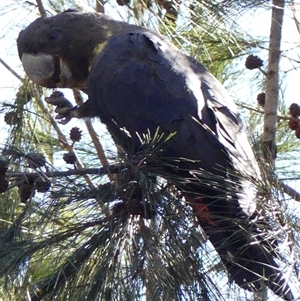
(136, 80)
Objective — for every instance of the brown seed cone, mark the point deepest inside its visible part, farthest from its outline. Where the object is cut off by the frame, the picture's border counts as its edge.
(11, 118)
(58, 99)
(26, 191)
(293, 124)
(70, 158)
(42, 185)
(75, 134)
(253, 62)
(261, 99)
(35, 160)
(294, 110)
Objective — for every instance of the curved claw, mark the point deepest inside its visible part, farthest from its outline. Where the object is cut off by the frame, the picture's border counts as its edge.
(63, 118)
(63, 107)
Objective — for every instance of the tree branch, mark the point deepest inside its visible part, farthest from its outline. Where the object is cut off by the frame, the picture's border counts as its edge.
(11, 70)
(70, 172)
(289, 191)
(41, 7)
(97, 143)
(61, 137)
(100, 6)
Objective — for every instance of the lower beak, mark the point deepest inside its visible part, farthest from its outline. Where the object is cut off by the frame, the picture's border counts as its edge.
(40, 68)
(47, 70)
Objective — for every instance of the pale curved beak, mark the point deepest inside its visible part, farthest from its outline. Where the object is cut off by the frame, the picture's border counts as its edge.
(49, 71)
(40, 68)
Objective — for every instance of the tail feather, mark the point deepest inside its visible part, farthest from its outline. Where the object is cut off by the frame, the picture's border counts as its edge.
(247, 258)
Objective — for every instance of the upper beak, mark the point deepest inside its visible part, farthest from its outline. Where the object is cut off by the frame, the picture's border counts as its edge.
(40, 68)
(48, 70)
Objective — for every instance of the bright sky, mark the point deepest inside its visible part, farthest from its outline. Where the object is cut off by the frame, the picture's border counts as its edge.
(15, 13)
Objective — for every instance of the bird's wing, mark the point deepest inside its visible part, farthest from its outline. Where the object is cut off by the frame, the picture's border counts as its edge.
(229, 126)
(142, 82)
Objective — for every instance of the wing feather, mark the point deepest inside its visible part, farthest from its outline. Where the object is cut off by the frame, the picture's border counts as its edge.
(142, 82)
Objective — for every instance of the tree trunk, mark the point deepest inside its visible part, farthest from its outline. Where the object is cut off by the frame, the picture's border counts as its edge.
(272, 90)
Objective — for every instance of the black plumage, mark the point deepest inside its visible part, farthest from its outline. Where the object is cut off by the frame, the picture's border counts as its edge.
(135, 79)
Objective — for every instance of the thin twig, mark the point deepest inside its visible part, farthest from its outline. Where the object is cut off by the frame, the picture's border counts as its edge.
(11, 70)
(71, 172)
(263, 71)
(94, 136)
(100, 6)
(289, 191)
(279, 117)
(41, 7)
(62, 138)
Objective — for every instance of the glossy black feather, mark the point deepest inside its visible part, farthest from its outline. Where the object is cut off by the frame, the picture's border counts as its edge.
(139, 81)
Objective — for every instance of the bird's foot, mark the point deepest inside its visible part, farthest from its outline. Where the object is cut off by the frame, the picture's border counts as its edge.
(64, 107)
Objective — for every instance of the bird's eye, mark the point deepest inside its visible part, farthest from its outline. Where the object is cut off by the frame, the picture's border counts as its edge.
(53, 35)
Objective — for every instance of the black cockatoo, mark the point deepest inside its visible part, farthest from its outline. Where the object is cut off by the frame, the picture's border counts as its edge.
(137, 82)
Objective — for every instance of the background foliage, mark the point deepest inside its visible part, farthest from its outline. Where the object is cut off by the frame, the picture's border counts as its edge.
(65, 231)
